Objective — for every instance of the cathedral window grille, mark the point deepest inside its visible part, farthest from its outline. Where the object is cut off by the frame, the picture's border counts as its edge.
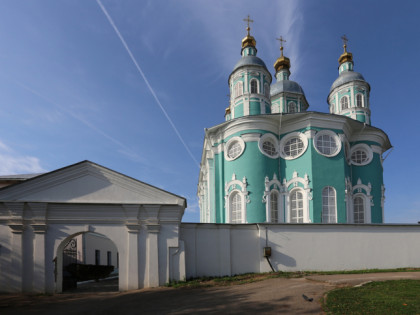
(238, 89)
(359, 157)
(254, 86)
(235, 208)
(326, 144)
(329, 205)
(234, 150)
(292, 107)
(274, 206)
(293, 147)
(359, 100)
(359, 210)
(296, 206)
(344, 102)
(269, 148)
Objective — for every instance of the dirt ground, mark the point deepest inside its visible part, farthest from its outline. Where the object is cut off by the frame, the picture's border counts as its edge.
(272, 296)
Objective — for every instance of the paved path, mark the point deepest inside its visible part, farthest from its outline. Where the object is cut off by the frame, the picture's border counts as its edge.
(272, 296)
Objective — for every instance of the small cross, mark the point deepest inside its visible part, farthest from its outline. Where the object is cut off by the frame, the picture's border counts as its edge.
(345, 40)
(281, 40)
(248, 20)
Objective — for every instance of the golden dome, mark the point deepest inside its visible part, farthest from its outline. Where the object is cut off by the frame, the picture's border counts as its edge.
(248, 40)
(282, 62)
(346, 56)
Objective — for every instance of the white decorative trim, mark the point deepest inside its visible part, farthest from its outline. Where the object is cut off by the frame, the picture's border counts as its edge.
(286, 138)
(271, 138)
(310, 134)
(251, 137)
(367, 198)
(271, 186)
(229, 143)
(243, 192)
(306, 191)
(362, 147)
(377, 149)
(331, 134)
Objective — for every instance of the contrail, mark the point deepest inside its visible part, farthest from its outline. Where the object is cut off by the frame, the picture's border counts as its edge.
(79, 118)
(145, 79)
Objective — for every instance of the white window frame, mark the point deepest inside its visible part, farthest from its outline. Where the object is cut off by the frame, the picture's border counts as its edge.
(239, 89)
(361, 100)
(293, 184)
(331, 134)
(363, 147)
(243, 192)
(347, 101)
(273, 186)
(272, 193)
(330, 207)
(362, 197)
(230, 143)
(289, 205)
(250, 86)
(289, 136)
(271, 138)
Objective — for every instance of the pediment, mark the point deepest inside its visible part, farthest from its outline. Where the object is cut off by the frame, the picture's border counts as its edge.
(87, 182)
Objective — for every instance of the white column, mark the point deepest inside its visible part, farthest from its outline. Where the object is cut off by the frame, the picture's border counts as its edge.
(39, 258)
(16, 255)
(152, 255)
(133, 257)
(39, 211)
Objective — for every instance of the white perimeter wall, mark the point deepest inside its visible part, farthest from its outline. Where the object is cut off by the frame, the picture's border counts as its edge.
(223, 249)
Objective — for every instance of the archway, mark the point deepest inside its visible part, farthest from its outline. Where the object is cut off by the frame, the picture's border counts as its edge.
(87, 261)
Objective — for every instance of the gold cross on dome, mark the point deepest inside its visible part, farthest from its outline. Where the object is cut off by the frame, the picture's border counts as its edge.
(248, 20)
(281, 40)
(345, 40)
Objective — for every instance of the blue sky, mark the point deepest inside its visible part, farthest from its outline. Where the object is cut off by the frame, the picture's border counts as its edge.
(70, 91)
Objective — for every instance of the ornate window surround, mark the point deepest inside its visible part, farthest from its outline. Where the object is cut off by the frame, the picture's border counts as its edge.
(229, 143)
(328, 204)
(273, 186)
(364, 147)
(290, 186)
(358, 190)
(273, 139)
(257, 86)
(331, 134)
(289, 136)
(230, 188)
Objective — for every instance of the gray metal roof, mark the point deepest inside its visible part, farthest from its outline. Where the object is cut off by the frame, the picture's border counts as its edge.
(19, 176)
(249, 61)
(286, 86)
(345, 77)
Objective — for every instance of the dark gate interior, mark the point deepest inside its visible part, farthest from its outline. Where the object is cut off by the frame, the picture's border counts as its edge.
(69, 257)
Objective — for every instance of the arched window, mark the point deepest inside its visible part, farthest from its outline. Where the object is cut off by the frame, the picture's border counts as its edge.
(344, 102)
(274, 206)
(235, 208)
(267, 90)
(359, 100)
(292, 107)
(238, 89)
(296, 206)
(359, 210)
(254, 86)
(328, 205)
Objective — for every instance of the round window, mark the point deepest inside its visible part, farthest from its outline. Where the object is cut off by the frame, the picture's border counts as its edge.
(327, 143)
(293, 145)
(269, 148)
(234, 148)
(361, 154)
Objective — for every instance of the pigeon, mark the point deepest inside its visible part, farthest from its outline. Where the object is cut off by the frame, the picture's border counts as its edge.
(306, 298)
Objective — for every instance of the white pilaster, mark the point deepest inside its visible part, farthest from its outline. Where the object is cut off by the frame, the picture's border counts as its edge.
(152, 255)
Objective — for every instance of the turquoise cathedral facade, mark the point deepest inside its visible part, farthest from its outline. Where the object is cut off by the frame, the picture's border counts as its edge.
(272, 160)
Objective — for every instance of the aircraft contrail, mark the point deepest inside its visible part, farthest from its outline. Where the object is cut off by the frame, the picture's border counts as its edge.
(145, 80)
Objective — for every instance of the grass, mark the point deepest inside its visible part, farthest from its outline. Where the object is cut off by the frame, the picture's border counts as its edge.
(387, 297)
(253, 277)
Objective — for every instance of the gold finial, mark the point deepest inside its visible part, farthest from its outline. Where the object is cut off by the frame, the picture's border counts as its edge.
(345, 40)
(282, 62)
(248, 20)
(346, 56)
(281, 40)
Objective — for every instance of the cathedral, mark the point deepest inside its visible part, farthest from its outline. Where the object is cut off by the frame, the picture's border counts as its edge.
(272, 160)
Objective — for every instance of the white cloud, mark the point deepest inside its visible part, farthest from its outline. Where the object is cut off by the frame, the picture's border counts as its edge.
(13, 163)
